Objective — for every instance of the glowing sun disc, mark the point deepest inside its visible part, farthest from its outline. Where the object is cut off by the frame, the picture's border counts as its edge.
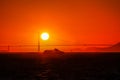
(45, 36)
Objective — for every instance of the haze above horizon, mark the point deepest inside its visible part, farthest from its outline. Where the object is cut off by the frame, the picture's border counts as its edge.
(67, 21)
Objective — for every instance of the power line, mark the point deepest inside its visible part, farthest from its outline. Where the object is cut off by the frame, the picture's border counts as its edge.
(60, 45)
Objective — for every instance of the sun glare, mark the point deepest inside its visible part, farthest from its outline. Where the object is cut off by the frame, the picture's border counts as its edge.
(45, 36)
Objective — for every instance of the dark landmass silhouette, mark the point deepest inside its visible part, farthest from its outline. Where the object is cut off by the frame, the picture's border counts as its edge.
(55, 51)
(114, 48)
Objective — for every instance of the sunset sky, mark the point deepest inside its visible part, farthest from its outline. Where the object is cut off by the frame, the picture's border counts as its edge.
(67, 21)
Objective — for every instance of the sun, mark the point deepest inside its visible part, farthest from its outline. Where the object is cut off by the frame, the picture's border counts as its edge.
(45, 36)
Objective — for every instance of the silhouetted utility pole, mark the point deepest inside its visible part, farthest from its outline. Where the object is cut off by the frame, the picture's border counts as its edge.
(38, 42)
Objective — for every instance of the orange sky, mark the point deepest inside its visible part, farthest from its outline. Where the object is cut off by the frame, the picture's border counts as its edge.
(67, 21)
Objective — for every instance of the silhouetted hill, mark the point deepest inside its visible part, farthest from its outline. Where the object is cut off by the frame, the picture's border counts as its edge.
(114, 48)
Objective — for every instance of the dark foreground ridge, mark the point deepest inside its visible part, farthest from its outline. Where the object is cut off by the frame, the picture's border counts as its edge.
(68, 66)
